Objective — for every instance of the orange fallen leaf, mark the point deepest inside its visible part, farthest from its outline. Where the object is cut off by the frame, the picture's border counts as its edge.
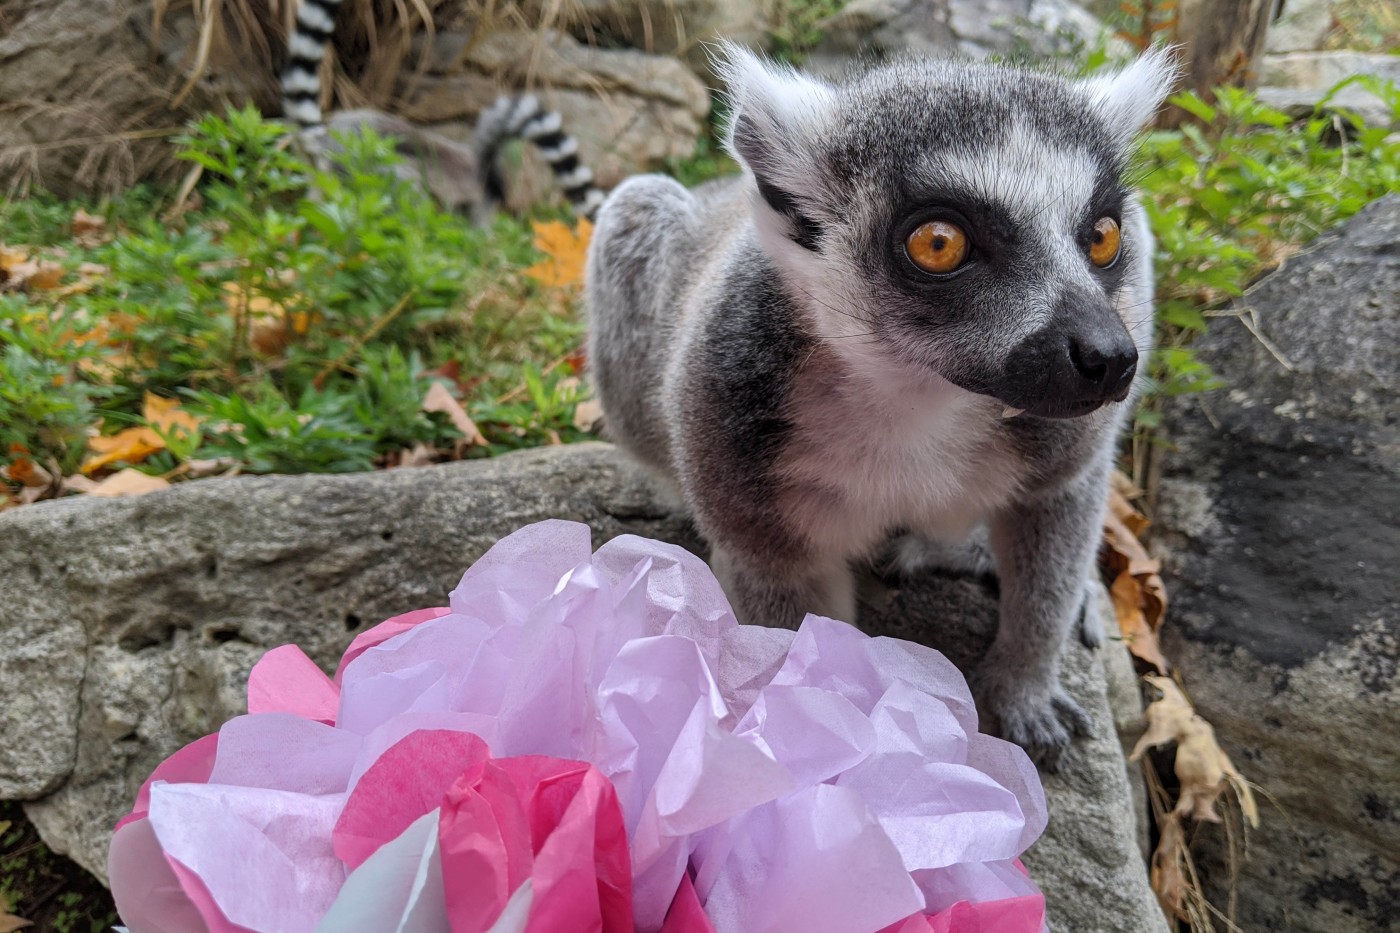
(1139, 596)
(167, 417)
(26, 472)
(566, 250)
(129, 444)
(440, 400)
(1127, 595)
(129, 482)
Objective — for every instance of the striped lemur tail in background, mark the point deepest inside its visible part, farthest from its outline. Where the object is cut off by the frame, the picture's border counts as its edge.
(460, 175)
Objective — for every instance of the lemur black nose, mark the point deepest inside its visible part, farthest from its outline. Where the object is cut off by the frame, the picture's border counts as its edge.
(1106, 365)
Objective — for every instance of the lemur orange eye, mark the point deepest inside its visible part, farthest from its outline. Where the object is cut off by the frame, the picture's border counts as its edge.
(937, 246)
(1107, 239)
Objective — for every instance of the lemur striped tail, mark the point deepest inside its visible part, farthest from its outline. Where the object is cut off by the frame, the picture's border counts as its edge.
(523, 118)
(301, 78)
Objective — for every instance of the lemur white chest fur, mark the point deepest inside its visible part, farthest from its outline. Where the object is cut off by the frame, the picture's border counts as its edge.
(892, 452)
(821, 352)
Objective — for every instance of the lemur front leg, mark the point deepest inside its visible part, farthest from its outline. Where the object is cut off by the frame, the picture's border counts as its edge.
(782, 597)
(1044, 552)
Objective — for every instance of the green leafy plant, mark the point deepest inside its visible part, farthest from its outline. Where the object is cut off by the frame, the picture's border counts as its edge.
(1230, 196)
(299, 308)
(267, 433)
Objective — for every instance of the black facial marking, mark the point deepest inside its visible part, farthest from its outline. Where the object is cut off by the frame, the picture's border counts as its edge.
(748, 142)
(806, 230)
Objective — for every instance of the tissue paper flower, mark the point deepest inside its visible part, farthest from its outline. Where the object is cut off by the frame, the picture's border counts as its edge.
(590, 742)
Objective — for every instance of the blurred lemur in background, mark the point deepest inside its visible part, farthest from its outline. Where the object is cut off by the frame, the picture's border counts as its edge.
(923, 308)
(461, 176)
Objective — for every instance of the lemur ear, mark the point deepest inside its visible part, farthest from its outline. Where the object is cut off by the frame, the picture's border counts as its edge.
(777, 116)
(1129, 98)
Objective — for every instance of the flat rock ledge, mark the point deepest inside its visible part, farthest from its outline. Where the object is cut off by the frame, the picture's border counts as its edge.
(128, 628)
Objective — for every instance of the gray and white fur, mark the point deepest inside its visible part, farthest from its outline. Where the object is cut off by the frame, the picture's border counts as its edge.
(766, 344)
(462, 176)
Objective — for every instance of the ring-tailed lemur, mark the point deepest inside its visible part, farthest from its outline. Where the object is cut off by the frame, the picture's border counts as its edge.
(921, 307)
(460, 175)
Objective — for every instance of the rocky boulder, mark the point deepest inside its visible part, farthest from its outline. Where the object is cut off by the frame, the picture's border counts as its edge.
(1296, 82)
(630, 111)
(130, 626)
(90, 91)
(1281, 503)
(884, 29)
(671, 27)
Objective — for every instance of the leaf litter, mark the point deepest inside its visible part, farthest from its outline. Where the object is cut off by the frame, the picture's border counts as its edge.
(1203, 770)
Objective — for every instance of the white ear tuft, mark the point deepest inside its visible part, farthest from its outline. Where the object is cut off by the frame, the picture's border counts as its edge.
(1129, 98)
(775, 114)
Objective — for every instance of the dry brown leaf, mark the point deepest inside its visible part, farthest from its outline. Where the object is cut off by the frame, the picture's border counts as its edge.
(1127, 595)
(1168, 868)
(129, 482)
(418, 455)
(163, 416)
(1119, 505)
(1139, 596)
(440, 400)
(198, 469)
(19, 270)
(1202, 768)
(587, 414)
(89, 230)
(77, 484)
(566, 250)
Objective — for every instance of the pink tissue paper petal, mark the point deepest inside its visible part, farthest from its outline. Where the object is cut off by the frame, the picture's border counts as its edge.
(284, 752)
(285, 680)
(383, 632)
(148, 895)
(398, 889)
(190, 765)
(405, 782)
(686, 915)
(264, 855)
(554, 824)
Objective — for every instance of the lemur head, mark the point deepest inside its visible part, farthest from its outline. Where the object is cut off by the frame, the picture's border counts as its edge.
(966, 220)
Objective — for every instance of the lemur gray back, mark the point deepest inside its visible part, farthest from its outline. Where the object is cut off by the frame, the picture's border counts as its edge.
(460, 175)
(922, 309)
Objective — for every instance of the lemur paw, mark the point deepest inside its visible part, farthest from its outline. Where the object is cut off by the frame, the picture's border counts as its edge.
(1044, 723)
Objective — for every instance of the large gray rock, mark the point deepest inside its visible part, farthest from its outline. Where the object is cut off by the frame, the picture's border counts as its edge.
(132, 624)
(1301, 26)
(672, 27)
(886, 29)
(1282, 500)
(1297, 82)
(630, 111)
